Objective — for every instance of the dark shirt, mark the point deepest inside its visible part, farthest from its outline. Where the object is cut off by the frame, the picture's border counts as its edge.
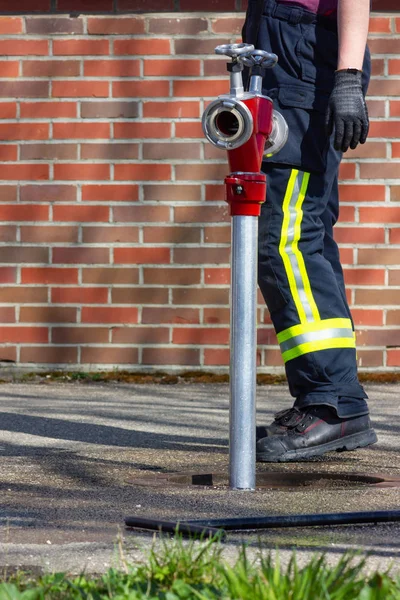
(324, 7)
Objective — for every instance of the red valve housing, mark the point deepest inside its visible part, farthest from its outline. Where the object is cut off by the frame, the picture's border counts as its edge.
(246, 185)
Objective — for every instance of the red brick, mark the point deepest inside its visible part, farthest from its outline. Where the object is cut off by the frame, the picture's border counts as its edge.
(81, 130)
(24, 254)
(227, 25)
(201, 255)
(112, 68)
(48, 110)
(178, 25)
(386, 129)
(205, 89)
(110, 193)
(382, 297)
(50, 68)
(75, 213)
(393, 358)
(202, 336)
(394, 236)
(171, 235)
(49, 355)
(139, 89)
(202, 172)
(121, 25)
(142, 47)
(394, 108)
(81, 255)
(396, 149)
(49, 151)
(53, 26)
(346, 256)
(393, 317)
(216, 357)
(378, 337)
(79, 295)
(139, 295)
(7, 314)
(81, 172)
(182, 151)
(142, 172)
(21, 172)
(47, 314)
(215, 67)
(8, 110)
(189, 130)
(364, 277)
(170, 356)
(347, 171)
(24, 48)
(387, 214)
(217, 235)
(171, 68)
(141, 214)
(8, 275)
(215, 192)
(171, 109)
(110, 275)
(171, 276)
(80, 89)
(193, 296)
(79, 335)
(49, 275)
(84, 5)
(8, 233)
(140, 335)
(170, 315)
(385, 87)
(24, 89)
(101, 235)
(378, 256)
(360, 235)
(362, 193)
(217, 276)
(142, 130)
(362, 316)
(48, 193)
(376, 108)
(379, 25)
(110, 356)
(24, 131)
(201, 214)
(9, 68)
(23, 295)
(107, 314)
(10, 25)
(272, 358)
(384, 45)
(8, 153)
(145, 5)
(41, 234)
(80, 47)
(110, 151)
(172, 193)
(8, 354)
(196, 45)
(142, 255)
(24, 335)
(369, 358)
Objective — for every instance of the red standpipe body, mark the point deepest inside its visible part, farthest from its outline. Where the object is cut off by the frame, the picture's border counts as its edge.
(245, 186)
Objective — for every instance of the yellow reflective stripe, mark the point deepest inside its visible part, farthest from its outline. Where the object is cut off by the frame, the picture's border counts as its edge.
(319, 345)
(296, 251)
(282, 246)
(316, 326)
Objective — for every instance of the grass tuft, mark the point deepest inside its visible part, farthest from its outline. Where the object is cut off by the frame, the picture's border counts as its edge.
(181, 570)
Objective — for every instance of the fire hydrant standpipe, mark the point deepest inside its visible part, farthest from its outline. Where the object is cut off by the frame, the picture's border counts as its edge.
(245, 124)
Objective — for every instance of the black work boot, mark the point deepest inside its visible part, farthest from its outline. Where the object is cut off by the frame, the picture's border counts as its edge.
(284, 419)
(319, 430)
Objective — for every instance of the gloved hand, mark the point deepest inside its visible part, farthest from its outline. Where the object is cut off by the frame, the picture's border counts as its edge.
(347, 111)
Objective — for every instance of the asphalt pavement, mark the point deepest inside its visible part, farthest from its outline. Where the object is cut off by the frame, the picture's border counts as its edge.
(76, 459)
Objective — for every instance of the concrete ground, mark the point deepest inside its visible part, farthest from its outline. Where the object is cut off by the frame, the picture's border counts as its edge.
(75, 457)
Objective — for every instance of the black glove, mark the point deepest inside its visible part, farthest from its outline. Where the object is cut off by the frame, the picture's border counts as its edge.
(347, 111)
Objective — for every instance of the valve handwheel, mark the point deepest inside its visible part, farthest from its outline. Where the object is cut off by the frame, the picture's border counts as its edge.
(234, 50)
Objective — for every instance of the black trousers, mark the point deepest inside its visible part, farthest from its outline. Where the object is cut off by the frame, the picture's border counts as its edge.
(300, 274)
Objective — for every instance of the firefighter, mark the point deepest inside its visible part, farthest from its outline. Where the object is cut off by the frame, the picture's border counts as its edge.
(319, 85)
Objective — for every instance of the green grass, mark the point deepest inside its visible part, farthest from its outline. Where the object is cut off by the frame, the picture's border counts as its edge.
(178, 570)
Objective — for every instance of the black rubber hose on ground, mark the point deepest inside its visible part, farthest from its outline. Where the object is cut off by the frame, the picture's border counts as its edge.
(207, 527)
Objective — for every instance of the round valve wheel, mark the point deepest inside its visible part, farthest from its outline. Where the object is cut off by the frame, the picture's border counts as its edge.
(234, 50)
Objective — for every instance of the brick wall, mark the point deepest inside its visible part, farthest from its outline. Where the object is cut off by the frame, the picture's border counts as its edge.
(114, 234)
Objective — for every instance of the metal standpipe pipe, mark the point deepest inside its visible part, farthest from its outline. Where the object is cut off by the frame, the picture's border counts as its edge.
(245, 124)
(243, 350)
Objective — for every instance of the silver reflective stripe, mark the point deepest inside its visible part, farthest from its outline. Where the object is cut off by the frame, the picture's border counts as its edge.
(288, 247)
(315, 336)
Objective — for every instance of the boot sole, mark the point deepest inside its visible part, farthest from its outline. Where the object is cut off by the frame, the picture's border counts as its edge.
(351, 442)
